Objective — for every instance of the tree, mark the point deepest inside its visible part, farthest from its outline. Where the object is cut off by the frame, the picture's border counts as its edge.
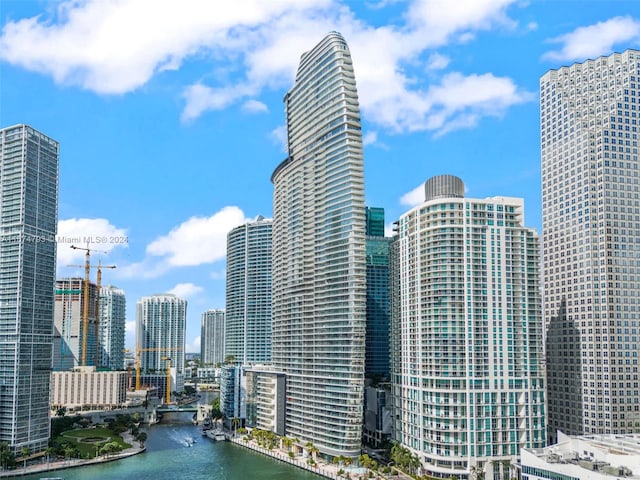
(7, 458)
(61, 412)
(25, 451)
(141, 437)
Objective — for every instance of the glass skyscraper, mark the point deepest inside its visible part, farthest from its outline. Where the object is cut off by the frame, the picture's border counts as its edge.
(212, 337)
(248, 302)
(467, 361)
(111, 329)
(589, 115)
(28, 217)
(377, 339)
(319, 271)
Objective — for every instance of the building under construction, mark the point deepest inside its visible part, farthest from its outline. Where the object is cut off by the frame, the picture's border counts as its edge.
(70, 330)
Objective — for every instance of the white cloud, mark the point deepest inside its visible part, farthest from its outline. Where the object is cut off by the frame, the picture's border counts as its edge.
(198, 240)
(414, 197)
(254, 106)
(369, 138)
(186, 290)
(98, 233)
(194, 345)
(218, 275)
(130, 334)
(279, 137)
(389, 230)
(437, 61)
(595, 40)
(115, 47)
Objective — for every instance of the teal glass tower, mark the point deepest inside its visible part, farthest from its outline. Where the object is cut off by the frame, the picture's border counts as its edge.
(28, 221)
(377, 338)
(319, 271)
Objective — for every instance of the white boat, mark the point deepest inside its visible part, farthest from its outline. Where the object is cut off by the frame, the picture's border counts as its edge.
(217, 435)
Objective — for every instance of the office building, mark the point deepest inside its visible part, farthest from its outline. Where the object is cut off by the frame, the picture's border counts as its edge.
(29, 218)
(84, 387)
(233, 395)
(212, 337)
(160, 331)
(319, 272)
(589, 114)
(377, 339)
(468, 379)
(248, 303)
(111, 329)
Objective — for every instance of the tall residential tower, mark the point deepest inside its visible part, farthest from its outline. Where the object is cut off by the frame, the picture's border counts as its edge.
(589, 115)
(319, 273)
(467, 359)
(161, 321)
(212, 337)
(248, 304)
(28, 221)
(111, 329)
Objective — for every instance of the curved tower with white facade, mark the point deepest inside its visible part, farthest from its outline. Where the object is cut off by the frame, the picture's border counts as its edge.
(319, 273)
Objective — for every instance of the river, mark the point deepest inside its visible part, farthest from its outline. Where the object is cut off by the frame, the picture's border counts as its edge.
(168, 457)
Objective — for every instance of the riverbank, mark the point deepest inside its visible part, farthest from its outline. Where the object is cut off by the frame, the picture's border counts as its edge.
(326, 470)
(76, 462)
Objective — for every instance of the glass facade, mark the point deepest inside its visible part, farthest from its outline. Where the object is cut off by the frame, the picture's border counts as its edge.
(28, 217)
(212, 337)
(377, 337)
(467, 370)
(319, 271)
(589, 114)
(111, 328)
(248, 303)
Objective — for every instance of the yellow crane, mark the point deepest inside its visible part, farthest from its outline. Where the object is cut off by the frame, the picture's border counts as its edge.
(85, 297)
(168, 359)
(139, 352)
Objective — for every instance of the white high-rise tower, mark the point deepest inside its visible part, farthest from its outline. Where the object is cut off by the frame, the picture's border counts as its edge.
(319, 272)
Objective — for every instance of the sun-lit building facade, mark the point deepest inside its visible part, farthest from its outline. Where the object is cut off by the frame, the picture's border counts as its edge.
(111, 328)
(467, 353)
(28, 221)
(589, 116)
(319, 271)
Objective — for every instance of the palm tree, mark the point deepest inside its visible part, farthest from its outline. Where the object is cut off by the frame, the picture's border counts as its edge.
(141, 438)
(25, 451)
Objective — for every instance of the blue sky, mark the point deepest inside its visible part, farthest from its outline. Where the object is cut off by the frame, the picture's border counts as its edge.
(170, 116)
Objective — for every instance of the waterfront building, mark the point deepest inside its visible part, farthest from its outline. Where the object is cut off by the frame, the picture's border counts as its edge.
(248, 303)
(588, 457)
(319, 272)
(160, 331)
(28, 221)
(73, 339)
(84, 387)
(377, 337)
(212, 337)
(156, 383)
(591, 235)
(266, 399)
(111, 328)
(468, 380)
(233, 394)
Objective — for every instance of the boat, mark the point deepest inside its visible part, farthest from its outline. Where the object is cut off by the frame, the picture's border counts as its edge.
(207, 424)
(216, 435)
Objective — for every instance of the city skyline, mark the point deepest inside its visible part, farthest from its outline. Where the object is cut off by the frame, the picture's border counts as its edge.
(434, 100)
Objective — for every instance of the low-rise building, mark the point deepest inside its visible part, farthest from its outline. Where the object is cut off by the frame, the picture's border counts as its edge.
(266, 399)
(84, 387)
(587, 457)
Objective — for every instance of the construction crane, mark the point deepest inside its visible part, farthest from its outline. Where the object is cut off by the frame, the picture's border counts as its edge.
(168, 359)
(139, 352)
(85, 309)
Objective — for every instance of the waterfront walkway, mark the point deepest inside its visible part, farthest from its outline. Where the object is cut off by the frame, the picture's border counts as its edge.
(33, 469)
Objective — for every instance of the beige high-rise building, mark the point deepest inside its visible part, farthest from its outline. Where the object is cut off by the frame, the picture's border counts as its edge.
(589, 115)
